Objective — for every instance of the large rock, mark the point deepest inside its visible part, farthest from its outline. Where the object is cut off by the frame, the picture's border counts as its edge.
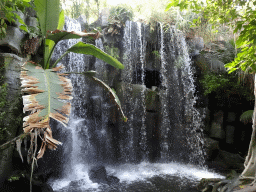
(215, 55)
(230, 160)
(217, 126)
(13, 39)
(196, 44)
(230, 134)
(98, 174)
(14, 115)
(22, 16)
(82, 20)
(211, 148)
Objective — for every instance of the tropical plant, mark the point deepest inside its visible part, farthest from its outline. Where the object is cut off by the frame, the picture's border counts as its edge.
(48, 93)
(246, 116)
(48, 90)
(9, 11)
(241, 16)
(120, 14)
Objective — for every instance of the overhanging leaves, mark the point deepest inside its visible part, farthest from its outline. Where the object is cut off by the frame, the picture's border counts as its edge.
(48, 14)
(59, 35)
(113, 95)
(47, 97)
(89, 49)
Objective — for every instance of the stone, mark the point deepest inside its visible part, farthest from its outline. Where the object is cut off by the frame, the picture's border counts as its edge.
(211, 148)
(82, 20)
(98, 174)
(217, 131)
(96, 105)
(152, 101)
(13, 39)
(215, 55)
(22, 16)
(230, 134)
(12, 65)
(104, 15)
(218, 117)
(30, 12)
(230, 160)
(231, 117)
(32, 21)
(196, 44)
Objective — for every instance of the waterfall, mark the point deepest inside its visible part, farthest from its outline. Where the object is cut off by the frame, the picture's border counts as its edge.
(153, 141)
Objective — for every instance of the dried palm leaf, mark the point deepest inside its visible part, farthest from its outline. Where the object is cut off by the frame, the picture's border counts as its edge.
(47, 97)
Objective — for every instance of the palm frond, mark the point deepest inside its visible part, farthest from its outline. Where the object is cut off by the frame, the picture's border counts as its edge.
(47, 95)
(246, 116)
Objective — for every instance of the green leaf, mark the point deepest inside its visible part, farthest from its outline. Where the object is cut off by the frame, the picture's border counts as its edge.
(49, 46)
(57, 35)
(3, 30)
(2, 21)
(174, 3)
(48, 14)
(89, 49)
(61, 20)
(113, 95)
(47, 98)
(246, 116)
(24, 28)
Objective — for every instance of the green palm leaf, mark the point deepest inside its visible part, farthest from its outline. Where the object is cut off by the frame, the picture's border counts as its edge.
(112, 93)
(246, 116)
(47, 97)
(89, 49)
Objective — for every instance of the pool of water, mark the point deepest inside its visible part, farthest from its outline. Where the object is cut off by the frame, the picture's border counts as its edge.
(143, 177)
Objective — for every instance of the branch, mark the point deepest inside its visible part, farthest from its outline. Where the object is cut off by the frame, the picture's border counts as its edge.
(12, 142)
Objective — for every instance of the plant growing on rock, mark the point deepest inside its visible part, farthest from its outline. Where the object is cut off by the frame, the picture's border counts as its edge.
(48, 93)
(9, 11)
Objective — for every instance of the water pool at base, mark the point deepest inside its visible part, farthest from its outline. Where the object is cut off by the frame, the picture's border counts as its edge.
(143, 177)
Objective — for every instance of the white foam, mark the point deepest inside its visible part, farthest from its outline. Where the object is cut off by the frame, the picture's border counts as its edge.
(144, 170)
(129, 173)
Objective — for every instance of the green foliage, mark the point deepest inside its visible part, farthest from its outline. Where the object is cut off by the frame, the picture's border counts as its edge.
(242, 20)
(224, 85)
(156, 54)
(113, 51)
(246, 116)
(120, 14)
(3, 103)
(8, 14)
(212, 82)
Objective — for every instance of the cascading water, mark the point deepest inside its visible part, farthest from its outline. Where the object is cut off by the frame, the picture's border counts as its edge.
(95, 138)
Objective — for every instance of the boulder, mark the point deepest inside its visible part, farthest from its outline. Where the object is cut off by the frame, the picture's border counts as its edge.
(98, 174)
(231, 117)
(32, 21)
(211, 148)
(22, 16)
(215, 55)
(230, 134)
(230, 160)
(196, 44)
(12, 40)
(217, 126)
(82, 20)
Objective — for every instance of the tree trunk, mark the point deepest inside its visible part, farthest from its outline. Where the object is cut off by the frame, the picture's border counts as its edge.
(250, 161)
